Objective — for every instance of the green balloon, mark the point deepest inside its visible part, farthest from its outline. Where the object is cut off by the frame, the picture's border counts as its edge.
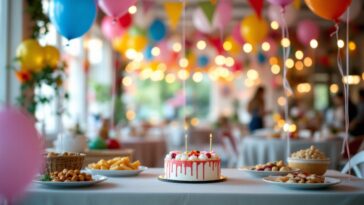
(97, 143)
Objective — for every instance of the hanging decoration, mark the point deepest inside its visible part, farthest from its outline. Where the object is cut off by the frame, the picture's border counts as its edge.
(72, 18)
(31, 55)
(208, 10)
(173, 12)
(147, 5)
(257, 5)
(200, 21)
(236, 35)
(222, 15)
(114, 8)
(125, 20)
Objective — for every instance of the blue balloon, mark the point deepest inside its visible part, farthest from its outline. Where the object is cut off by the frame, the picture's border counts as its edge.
(148, 52)
(72, 18)
(261, 58)
(202, 61)
(157, 30)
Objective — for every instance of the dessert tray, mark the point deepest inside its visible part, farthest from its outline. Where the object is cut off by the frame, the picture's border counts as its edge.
(96, 179)
(260, 174)
(329, 181)
(117, 173)
(221, 179)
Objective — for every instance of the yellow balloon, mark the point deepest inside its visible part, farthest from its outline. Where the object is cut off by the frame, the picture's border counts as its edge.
(30, 54)
(120, 44)
(137, 43)
(231, 46)
(51, 56)
(254, 29)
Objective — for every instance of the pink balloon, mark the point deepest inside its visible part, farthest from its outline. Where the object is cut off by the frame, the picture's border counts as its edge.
(306, 31)
(110, 28)
(223, 14)
(115, 8)
(290, 14)
(281, 3)
(235, 33)
(20, 152)
(200, 21)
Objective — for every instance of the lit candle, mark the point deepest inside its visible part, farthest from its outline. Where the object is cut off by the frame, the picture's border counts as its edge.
(210, 142)
(186, 146)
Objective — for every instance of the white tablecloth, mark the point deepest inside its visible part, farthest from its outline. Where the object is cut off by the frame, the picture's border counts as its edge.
(238, 189)
(259, 150)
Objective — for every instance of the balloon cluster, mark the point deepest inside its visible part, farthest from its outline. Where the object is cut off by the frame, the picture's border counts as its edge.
(33, 57)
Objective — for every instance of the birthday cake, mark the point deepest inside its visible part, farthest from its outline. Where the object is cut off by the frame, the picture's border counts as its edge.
(192, 166)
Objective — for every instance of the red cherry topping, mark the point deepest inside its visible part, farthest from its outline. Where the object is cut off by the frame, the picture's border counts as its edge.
(173, 155)
(208, 155)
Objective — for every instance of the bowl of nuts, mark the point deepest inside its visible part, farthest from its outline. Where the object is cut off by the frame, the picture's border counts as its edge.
(66, 160)
(311, 161)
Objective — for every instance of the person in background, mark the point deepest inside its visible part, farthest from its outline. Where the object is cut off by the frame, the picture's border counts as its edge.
(357, 124)
(256, 109)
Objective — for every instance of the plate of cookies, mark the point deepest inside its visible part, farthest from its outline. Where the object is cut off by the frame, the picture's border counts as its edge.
(302, 181)
(69, 178)
(116, 167)
(278, 168)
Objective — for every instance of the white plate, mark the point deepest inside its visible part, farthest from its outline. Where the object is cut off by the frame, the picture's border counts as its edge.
(255, 173)
(96, 179)
(117, 173)
(329, 181)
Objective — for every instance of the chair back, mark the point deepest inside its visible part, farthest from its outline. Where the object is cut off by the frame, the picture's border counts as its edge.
(354, 163)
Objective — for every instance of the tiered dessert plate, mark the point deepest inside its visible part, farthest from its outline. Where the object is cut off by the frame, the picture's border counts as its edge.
(117, 173)
(96, 179)
(260, 174)
(221, 179)
(329, 181)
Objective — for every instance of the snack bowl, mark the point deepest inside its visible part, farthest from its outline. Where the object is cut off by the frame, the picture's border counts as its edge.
(310, 166)
(58, 162)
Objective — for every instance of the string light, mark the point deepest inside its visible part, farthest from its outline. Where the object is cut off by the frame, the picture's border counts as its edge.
(155, 51)
(289, 63)
(303, 87)
(229, 61)
(352, 45)
(183, 74)
(227, 45)
(314, 43)
(197, 77)
(265, 46)
(157, 75)
(299, 54)
(176, 47)
(130, 115)
(247, 47)
(220, 60)
(275, 69)
(281, 101)
(201, 45)
(170, 78)
(133, 9)
(334, 88)
(252, 74)
(273, 60)
(274, 25)
(183, 62)
(285, 42)
(351, 79)
(307, 62)
(299, 65)
(127, 81)
(340, 43)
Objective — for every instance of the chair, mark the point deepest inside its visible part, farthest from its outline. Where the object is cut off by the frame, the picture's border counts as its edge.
(354, 162)
(232, 157)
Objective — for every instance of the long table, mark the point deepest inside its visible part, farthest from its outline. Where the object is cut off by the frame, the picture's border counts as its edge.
(239, 188)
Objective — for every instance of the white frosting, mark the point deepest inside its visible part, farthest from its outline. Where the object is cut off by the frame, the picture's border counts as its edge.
(168, 156)
(178, 157)
(184, 156)
(202, 157)
(192, 157)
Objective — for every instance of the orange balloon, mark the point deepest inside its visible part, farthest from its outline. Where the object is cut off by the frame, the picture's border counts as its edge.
(328, 9)
(254, 29)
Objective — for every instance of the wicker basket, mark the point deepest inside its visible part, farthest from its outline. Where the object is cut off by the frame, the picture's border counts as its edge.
(58, 163)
